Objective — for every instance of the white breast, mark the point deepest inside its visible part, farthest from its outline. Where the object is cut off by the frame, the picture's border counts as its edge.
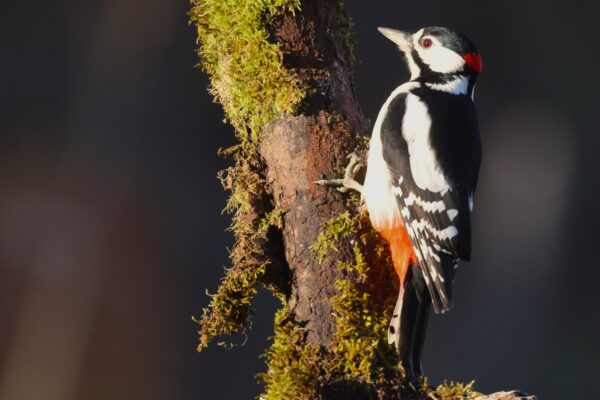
(426, 171)
(378, 192)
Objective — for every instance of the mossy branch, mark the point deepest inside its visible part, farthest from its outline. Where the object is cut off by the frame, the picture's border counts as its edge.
(281, 71)
(249, 81)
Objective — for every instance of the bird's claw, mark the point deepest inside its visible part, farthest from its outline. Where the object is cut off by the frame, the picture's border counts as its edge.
(348, 182)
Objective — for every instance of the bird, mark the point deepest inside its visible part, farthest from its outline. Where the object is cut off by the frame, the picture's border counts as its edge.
(422, 170)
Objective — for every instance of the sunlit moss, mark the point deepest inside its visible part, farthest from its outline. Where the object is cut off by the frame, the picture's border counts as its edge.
(360, 348)
(293, 366)
(334, 229)
(230, 308)
(453, 391)
(247, 76)
(360, 344)
(248, 79)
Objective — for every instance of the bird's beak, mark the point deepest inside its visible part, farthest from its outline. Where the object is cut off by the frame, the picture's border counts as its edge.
(402, 39)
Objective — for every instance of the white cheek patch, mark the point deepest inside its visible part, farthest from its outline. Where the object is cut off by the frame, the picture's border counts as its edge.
(426, 171)
(440, 59)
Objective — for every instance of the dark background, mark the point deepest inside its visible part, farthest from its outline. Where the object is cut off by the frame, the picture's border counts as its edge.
(110, 213)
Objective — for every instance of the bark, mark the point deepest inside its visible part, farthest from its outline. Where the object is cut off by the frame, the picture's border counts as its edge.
(300, 150)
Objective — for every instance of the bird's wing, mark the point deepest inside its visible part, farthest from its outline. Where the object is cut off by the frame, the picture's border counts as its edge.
(437, 221)
(439, 231)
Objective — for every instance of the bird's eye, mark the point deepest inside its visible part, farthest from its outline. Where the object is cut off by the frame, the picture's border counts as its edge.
(426, 43)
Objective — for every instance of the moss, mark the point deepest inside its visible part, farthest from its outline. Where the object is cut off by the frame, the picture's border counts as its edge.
(230, 308)
(273, 218)
(360, 352)
(249, 80)
(360, 348)
(360, 345)
(334, 229)
(452, 391)
(293, 366)
(247, 76)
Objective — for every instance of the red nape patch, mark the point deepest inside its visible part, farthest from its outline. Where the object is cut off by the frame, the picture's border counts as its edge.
(403, 254)
(474, 61)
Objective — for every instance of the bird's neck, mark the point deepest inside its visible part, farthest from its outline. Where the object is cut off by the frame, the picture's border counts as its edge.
(456, 84)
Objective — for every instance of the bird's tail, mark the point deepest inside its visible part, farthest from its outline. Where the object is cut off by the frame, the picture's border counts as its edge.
(394, 328)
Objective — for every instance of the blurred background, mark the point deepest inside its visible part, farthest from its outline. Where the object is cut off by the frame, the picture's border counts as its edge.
(110, 212)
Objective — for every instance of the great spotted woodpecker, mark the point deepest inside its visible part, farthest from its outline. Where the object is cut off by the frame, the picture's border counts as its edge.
(422, 170)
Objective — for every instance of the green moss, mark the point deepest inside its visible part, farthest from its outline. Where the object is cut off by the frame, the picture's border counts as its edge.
(293, 367)
(273, 218)
(360, 352)
(247, 76)
(451, 391)
(333, 230)
(248, 79)
(360, 345)
(360, 348)
(230, 308)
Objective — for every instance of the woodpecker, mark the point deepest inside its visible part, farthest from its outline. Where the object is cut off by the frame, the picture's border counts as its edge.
(422, 170)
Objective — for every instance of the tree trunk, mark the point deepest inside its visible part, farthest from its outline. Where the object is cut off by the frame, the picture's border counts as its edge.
(309, 244)
(299, 150)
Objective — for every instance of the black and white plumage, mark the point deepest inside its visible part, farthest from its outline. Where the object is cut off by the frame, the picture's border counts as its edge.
(423, 164)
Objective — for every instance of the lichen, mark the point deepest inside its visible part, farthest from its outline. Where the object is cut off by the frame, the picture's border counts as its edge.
(248, 79)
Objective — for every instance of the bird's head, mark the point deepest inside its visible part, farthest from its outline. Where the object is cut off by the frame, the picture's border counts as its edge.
(435, 53)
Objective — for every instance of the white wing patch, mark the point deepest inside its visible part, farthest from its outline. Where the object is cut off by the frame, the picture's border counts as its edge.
(452, 213)
(438, 248)
(429, 206)
(444, 234)
(426, 171)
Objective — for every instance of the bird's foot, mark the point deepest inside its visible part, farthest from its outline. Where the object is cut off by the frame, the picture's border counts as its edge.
(347, 182)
